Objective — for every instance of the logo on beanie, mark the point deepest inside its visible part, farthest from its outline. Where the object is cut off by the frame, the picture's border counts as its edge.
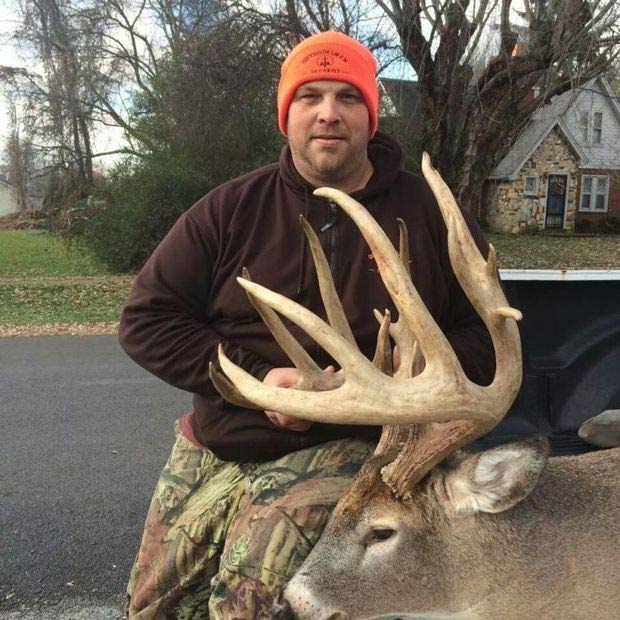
(325, 57)
(325, 61)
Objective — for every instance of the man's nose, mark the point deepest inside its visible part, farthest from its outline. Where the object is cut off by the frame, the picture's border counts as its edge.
(329, 111)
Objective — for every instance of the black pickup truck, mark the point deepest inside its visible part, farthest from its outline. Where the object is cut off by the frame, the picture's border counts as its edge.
(571, 352)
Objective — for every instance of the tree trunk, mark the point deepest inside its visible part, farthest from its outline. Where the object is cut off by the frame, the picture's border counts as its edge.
(88, 152)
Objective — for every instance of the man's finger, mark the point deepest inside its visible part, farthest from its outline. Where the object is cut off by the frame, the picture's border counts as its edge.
(288, 422)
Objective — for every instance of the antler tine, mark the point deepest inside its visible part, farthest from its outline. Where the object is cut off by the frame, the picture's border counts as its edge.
(479, 280)
(333, 307)
(312, 377)
(383, 351)
(395, 276)
(227, 390)
(401, 333)
(393, 436)
(403, 245)
(349, 356)
(400, 436)
(354, 365)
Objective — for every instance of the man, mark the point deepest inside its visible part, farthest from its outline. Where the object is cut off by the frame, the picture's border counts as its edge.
(245, 494)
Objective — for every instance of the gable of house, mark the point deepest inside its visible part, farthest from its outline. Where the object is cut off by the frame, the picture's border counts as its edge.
(594, 119)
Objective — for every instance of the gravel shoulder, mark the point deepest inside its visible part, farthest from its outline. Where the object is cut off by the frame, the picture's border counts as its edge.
(60, 329)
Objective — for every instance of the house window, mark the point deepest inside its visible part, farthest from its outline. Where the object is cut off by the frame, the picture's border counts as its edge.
(597, 128)
(583, 126)
(531, 186)
(594, 194)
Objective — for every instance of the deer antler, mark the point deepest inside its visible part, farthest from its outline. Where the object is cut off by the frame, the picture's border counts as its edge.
(365, 392)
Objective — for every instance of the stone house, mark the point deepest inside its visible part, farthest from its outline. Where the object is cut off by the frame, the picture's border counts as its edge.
(8, 203)
(563, 170)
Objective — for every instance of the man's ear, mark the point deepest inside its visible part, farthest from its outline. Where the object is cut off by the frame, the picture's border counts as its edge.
(497, 479)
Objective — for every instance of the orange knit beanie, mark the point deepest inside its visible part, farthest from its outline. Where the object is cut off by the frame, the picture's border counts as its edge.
(329, 56)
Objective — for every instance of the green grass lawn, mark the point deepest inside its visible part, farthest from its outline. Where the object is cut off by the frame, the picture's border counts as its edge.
(25, 253)
(44, 283)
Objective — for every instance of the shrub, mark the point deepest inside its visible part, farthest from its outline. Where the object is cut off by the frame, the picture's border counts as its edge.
(135, 208)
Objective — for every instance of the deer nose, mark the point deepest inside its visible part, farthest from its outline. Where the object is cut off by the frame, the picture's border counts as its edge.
(281, 610)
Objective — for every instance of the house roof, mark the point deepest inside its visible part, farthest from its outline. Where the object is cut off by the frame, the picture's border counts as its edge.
(543, 121)
(398, 97)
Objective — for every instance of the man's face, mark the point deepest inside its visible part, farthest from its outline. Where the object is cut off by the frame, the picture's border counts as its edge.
(328, 127)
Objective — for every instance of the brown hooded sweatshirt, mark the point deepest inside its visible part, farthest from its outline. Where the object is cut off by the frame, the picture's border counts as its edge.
(185, 300)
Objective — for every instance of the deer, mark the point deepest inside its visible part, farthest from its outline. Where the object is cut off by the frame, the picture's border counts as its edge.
(429, 530)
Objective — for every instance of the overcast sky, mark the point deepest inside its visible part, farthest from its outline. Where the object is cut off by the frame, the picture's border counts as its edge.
(11, 55)
(8, 56)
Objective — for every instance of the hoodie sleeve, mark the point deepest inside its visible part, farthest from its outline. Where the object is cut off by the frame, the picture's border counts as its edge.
(163, 325)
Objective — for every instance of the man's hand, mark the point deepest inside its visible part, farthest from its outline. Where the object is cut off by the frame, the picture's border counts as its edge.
(286, 377)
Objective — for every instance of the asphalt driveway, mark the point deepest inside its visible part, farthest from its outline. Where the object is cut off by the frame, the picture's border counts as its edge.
(84, 434)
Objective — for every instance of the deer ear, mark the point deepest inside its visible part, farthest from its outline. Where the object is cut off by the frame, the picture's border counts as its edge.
(497, 479)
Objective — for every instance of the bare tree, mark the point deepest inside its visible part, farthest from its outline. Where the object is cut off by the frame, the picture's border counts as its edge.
(171, 58)
(20, 158)
(287, 22)
(613, 75)
(472, 103)
(58, 96)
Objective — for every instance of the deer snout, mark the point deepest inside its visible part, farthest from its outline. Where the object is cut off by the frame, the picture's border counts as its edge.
(282, 610)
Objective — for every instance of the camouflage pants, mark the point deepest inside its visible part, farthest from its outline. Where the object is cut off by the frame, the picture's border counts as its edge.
(222, 538)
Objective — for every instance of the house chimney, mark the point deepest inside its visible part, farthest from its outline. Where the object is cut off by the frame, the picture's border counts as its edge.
(517, 50)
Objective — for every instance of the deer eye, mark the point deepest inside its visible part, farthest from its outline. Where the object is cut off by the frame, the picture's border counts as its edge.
(378, 535)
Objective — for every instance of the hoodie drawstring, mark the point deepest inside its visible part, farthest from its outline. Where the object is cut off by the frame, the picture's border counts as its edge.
(302, 257)
(333, 216)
